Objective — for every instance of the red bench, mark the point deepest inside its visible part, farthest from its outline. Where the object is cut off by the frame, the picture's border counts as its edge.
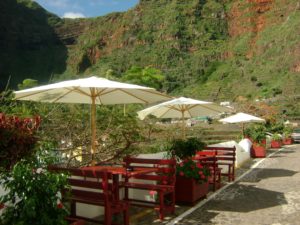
(163, 183)
(94, 188)
(226, 156)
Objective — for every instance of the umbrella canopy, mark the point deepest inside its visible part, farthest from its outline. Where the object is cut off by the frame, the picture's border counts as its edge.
(92, 90)
(183, 108)
(242, 118)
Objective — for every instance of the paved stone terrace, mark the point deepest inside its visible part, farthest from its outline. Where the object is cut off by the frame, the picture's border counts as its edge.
(267, 195)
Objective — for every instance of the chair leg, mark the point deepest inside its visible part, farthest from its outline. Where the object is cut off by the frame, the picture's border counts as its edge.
(219, 179)
(73, 209)
(173, 202)
(229, 173)
(161, 206)
(107, 216)
(233, 177)
(126, 217)
(126, 194)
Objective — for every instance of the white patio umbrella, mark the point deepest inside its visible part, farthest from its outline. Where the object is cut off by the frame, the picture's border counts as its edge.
(92, 90)
(242, 118)
(183, 108)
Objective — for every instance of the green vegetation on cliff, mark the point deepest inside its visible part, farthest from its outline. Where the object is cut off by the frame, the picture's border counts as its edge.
(213, 50)
(29, 47)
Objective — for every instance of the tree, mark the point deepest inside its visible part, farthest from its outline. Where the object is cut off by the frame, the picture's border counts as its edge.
(147, 76)
(28, 83)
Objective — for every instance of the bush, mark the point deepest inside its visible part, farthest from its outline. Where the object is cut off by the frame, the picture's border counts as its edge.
(276, 137)
(186, 148)
(257, 133)
(33, 195)
(17, 139)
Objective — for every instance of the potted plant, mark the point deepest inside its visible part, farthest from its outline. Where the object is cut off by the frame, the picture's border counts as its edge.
(258, 137)
(287, 138)
(191, 181)
(276, 141)
(185, 148)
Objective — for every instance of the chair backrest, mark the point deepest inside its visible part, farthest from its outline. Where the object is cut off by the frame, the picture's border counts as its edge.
(223, 153)
(88, 184)
(206, 153)
(206, 157)
(166, 169)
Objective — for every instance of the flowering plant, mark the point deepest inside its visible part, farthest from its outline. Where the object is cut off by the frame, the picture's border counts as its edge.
(191, 169)
(17, 139)
(33, 192)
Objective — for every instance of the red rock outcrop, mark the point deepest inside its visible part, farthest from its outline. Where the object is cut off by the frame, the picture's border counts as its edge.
(248, 16)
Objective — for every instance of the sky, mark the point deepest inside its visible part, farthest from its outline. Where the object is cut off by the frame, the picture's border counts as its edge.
(85, 8)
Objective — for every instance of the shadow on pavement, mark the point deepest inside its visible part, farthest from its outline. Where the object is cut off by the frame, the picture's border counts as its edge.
(245, 198)
(287, 151)
(237, 198)
(203, 217)
(258, 174)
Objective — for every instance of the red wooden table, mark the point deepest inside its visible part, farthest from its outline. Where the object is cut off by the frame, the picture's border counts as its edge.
(119, 170)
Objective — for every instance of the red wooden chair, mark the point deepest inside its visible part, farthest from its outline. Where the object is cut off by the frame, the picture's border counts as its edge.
(94, 188)
(163, 183)
(226, 156)
(209, 159)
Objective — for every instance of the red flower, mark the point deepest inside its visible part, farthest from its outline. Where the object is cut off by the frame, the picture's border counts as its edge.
(181, 173)
(152, 192)
(60, 205)
(181, 164)
(200, 173)
(202, 177)
(199, 166)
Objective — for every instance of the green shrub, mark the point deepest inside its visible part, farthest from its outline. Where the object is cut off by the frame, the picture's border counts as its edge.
(276, 127)
(256, 132)
(276, 137)
(186, 148)
(17, 139)
(33, 195)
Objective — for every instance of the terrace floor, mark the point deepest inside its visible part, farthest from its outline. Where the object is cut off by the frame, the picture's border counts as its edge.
(266, 191)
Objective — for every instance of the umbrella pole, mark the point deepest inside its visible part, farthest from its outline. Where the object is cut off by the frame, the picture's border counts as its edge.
(93, 128)
(243, 130)
(183, 127)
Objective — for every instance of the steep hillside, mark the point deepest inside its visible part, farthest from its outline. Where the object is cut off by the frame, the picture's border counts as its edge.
(181, 38)
(262, 56)
(214, 50)
(206, 49)
(29, 47)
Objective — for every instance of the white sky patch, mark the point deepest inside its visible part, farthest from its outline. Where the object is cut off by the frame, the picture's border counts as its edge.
(73, 15)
